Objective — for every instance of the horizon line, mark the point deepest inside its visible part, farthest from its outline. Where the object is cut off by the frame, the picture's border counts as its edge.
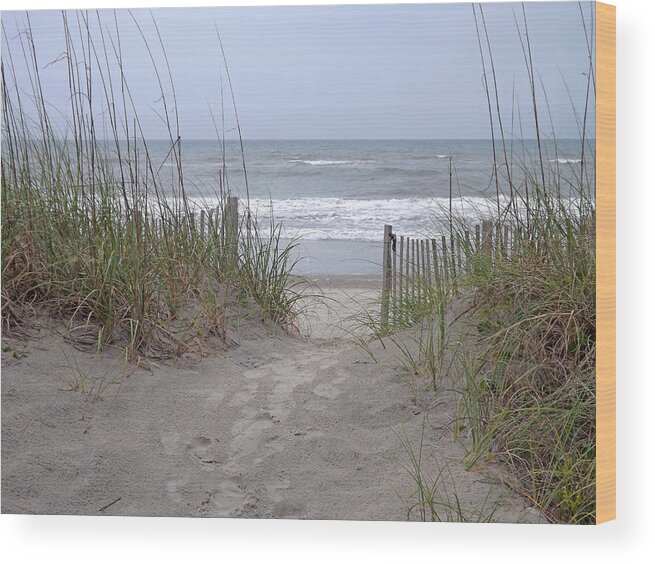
(236, 139)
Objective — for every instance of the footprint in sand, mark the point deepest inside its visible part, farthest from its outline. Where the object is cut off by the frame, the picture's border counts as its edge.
(284, 507)
(172, 487)
(227, 498)
(198, 447)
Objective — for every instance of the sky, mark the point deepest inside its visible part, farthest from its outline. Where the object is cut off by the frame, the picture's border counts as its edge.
(333, 72)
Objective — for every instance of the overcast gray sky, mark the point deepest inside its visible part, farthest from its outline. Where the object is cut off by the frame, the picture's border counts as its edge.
(340, 72)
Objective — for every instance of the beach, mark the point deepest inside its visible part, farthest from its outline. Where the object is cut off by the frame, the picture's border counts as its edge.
(279, 425)
(278, 394)
(316, 284)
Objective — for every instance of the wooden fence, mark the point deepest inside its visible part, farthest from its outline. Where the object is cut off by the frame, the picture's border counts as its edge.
(221, 224)
(412, 268)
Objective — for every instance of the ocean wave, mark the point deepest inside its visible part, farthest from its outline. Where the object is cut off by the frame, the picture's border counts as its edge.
(363, 220)
(321, 162)
(407, 171)
(566, 161)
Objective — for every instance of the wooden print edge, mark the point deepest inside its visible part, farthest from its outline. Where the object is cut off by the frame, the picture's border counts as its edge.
(606, 262)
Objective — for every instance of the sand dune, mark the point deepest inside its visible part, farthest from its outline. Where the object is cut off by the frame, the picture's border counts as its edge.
(278, 426)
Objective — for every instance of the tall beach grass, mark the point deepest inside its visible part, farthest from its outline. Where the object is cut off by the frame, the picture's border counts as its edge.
(524, 347)
(93, 234)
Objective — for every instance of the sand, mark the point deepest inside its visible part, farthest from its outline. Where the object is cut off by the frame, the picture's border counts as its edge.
(278, 426)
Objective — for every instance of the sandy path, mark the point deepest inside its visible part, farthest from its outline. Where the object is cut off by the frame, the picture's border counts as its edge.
(276, 427)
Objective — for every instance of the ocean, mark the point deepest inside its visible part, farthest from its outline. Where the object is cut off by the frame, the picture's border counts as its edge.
(336, 196)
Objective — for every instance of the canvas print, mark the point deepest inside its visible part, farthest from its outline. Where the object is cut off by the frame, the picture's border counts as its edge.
(303, 262)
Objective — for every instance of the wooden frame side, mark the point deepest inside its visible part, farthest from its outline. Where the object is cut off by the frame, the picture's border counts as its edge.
(606, 262)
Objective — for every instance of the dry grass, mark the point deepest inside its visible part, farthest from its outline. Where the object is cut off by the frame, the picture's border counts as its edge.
(114, 249)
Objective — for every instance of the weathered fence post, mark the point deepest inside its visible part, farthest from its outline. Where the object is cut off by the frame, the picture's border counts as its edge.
(394, 281)
(386, 276)
(202, 223)
(487, 244)
(424, 279)
(211, 225)
(407, 281)
(414, 255)
(193, 226)
(428, 264)
(435, 264)
(401, 281)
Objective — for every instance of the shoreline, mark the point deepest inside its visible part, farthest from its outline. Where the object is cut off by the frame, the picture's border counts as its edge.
(346, 281)
(337, 257)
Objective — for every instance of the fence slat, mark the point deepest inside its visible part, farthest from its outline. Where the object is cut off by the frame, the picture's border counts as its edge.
(400, 277)
(386, 275)
(428, 264)
(192, 221)
(487, 243)
(413, 270)
(407, 282)
(444, 253)
(210, 224)
(421, 265)
(435, 262)
(394, 281)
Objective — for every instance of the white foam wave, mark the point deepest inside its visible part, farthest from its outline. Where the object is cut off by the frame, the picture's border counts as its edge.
(321, 162)
(566, 161)
(363, 220)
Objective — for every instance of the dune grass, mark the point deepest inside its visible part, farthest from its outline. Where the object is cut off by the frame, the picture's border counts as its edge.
(515, 328)
(91, 232)
(436, 497)
(524, 350)
(117, 253)
(529, 382)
